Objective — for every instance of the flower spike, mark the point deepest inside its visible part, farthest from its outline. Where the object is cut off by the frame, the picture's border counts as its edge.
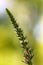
(23, 41)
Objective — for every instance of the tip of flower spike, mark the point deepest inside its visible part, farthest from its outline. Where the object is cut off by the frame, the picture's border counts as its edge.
(7, 10)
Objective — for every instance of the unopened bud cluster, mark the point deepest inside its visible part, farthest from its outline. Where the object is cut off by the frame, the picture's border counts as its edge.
(23, 41)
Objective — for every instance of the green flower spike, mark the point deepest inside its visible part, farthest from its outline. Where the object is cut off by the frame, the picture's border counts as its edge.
(28, 55)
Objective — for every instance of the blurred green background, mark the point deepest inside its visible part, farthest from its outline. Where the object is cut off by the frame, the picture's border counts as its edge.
(29, 16)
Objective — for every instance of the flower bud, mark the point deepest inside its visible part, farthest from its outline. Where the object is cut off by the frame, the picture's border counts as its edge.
(26, 41)
(31, 55)
(21, 45)
(21, 42)
(27, 46)
(30, 49)
(26, 60)
(25, 52)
